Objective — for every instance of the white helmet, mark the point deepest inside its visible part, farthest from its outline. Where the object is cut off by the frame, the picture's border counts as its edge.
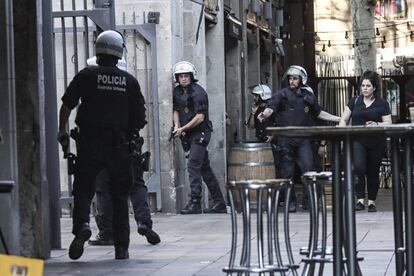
(184, 67)
(263, 91)
(110, 43)
(296, 70)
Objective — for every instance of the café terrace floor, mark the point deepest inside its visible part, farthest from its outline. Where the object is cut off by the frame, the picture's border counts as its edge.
(200, 245)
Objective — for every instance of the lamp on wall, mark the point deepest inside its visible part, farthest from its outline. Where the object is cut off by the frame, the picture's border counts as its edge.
(279, 47)
(154, 17)
(285, 35)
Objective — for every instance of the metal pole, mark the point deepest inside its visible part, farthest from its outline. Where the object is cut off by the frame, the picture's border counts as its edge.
(397, 209)
(52, 148)
(337, 209)
(112, 23)
(85, 33)
(75, 41)
(409, 204)
(350, 243)
(243, 79)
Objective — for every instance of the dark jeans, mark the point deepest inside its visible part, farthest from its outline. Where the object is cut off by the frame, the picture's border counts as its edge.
(137, 195)
(102, 150)
(199, 169)
(367, 163)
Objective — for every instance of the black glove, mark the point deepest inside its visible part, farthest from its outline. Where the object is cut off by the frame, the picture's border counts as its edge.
(309, 99)
(63, 139)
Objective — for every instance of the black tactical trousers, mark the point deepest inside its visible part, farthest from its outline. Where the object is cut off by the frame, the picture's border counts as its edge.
(276, 158)
(137, 195)
(295, 151)
(103, 150)
(199, 169)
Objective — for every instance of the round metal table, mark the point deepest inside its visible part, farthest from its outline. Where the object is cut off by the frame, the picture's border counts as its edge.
(344, 232)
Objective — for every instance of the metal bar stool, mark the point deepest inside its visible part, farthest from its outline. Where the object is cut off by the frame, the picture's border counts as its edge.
(268, 196)
(315, 183)
(5, 187)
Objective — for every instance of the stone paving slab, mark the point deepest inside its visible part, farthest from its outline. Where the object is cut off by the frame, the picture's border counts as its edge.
(200, 245)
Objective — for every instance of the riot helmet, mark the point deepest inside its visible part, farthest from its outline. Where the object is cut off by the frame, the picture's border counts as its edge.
(296, 70)
(110, 43)
(264, 92)
(184, 67)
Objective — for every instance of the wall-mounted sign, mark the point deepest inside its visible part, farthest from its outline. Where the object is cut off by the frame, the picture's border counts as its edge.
(235, 27)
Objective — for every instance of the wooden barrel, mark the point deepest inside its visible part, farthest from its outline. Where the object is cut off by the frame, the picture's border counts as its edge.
(250, 161)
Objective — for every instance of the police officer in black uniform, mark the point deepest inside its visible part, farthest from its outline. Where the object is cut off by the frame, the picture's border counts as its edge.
(192, 125)
(138, 194)
(112, 108)
(262, 94)
(295, 105)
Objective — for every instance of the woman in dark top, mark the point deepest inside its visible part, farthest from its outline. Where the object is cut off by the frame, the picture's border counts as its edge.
(367, 109)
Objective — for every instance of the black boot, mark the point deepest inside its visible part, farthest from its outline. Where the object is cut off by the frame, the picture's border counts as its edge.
(102, 239)
(292, 206)
(121, 253)
(192, 207)
(76, 247)
(217, 208)
(152, 237)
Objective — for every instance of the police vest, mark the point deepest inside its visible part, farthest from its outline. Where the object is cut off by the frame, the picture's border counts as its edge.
(189, 103)
(110, 98)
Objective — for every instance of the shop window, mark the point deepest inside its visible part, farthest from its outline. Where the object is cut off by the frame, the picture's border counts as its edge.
(391, 9)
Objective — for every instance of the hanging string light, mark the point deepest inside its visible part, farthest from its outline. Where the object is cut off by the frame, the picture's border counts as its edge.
(323, 48)
(367, 40)
(384, 25)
